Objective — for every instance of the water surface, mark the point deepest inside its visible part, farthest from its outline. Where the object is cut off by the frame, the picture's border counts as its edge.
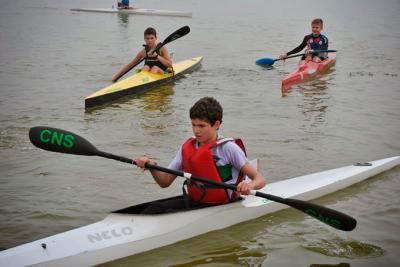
(52, 58)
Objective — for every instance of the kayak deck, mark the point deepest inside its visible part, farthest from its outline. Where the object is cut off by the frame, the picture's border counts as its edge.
(128, 231)
(136, 11)
(139, 82)
(306, 71)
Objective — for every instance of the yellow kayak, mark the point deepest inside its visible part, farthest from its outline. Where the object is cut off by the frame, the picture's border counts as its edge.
(140, 82)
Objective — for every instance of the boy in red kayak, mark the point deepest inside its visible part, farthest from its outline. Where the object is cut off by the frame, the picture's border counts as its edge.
(211, 156)
(155, 61)
(312, 42)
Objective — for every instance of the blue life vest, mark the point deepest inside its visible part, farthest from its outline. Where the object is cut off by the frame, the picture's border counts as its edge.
(317, 43)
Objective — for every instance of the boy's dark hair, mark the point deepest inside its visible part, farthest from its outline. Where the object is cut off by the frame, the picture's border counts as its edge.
(317, 21)
(150, 31)
(207, 109)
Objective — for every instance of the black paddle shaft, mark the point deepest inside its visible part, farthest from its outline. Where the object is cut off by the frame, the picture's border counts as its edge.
(314, 53)
(166, 170)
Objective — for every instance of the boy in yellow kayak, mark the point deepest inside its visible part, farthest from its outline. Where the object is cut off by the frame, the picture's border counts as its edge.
(312, 42)
(156, 60)
(211, 156)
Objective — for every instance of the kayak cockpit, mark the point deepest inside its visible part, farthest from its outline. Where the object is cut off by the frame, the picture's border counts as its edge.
(162, 206)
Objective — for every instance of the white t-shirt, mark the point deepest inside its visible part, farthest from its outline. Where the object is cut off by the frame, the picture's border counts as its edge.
(227, 153)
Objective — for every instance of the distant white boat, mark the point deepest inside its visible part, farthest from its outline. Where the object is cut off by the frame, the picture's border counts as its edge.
(137, 11)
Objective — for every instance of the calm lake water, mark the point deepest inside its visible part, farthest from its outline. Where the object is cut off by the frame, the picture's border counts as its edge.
(52, 58)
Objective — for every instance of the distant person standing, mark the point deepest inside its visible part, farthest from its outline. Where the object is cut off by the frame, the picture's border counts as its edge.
(124, 4)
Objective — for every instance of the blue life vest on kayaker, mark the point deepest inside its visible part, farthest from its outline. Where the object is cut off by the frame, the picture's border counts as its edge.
(153, 61)
(318, 43)
(123, 3)
(201, 162)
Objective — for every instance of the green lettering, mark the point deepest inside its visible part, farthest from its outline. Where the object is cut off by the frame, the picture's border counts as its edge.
(312, 213)
(334, 222)
(43, 138)
(55, 138)
(69, 141)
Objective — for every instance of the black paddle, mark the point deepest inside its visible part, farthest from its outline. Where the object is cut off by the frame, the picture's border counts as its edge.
(172, 37)
(269, 61)
(58, 140)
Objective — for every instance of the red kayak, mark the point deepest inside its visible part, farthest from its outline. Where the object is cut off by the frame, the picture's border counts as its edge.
(306, 71)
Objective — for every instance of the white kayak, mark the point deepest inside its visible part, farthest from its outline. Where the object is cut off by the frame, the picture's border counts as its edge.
(127, 232)
(136, 11)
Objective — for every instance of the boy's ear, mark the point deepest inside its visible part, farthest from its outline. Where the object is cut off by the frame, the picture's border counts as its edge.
(217, 124)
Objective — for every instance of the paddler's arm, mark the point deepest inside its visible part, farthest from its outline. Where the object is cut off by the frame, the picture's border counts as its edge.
(296, 50)
(163, 179)
(258, 181)
(137, 58)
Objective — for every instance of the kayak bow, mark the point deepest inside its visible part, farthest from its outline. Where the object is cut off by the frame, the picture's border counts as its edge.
(139, 82)
(128, 231)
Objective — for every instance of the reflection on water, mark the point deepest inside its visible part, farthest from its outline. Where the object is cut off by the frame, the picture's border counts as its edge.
(154, 105)
(314, 105)
(123, 19)
(158, 99)
(265, 67)
(315, 97)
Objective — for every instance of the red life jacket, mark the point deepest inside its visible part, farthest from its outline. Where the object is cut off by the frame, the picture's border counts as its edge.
(200, 162)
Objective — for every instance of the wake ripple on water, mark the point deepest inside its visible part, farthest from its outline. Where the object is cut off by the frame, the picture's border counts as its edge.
(350, 249)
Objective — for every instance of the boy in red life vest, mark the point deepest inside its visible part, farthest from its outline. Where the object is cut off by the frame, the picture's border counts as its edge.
(210, 156)
(155, 62)
(312, 42)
